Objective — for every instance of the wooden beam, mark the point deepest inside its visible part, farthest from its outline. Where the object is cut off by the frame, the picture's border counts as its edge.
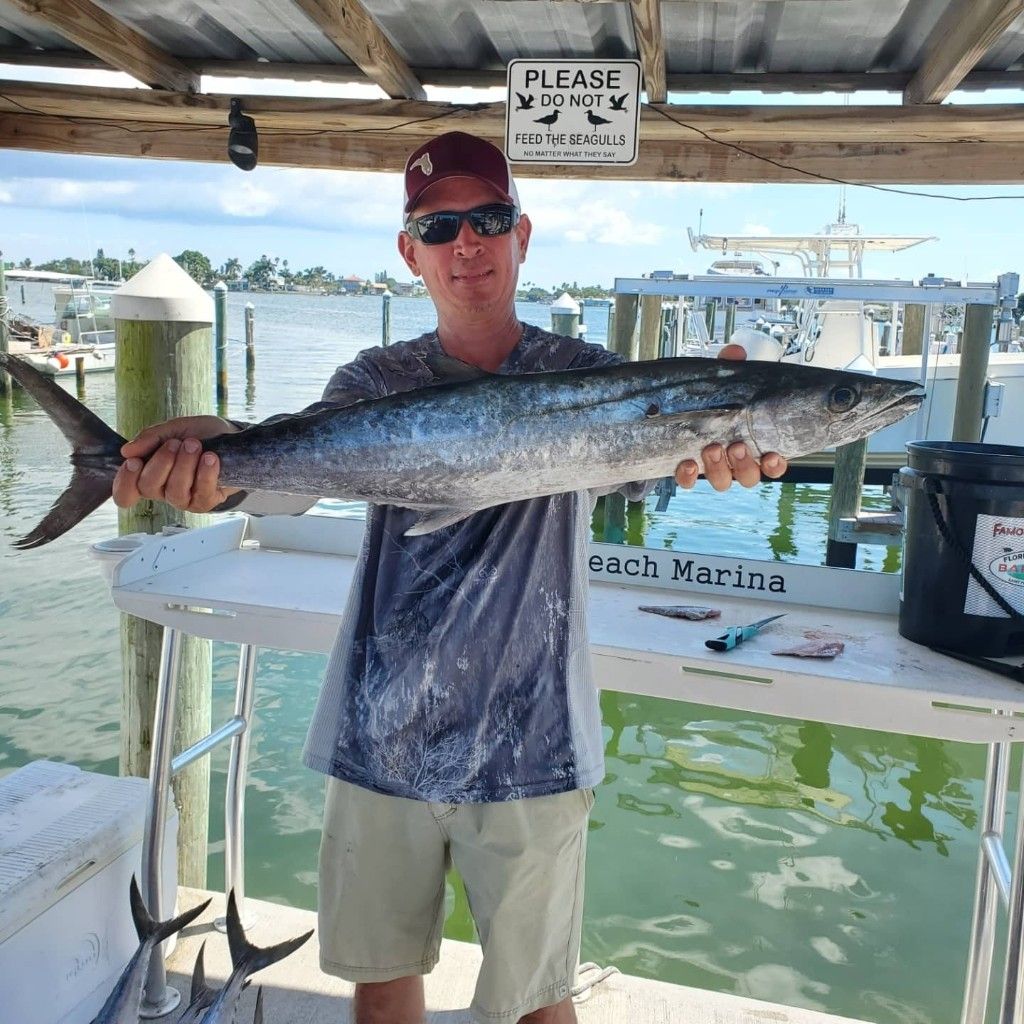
(114, 42)
(680, 123)
(352, 29)
(660, 160)
(651, 46)
(965, 32)
(483, 78)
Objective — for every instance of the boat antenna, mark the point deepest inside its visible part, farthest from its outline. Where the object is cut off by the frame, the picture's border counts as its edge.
(842, 205)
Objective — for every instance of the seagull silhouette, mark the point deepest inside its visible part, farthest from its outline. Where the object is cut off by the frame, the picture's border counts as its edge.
(525, 102)
(547, 118)
(595, 120)
(617, 102)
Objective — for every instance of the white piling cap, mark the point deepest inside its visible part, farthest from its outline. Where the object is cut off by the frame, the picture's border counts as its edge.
(161, 291)
(565, 303)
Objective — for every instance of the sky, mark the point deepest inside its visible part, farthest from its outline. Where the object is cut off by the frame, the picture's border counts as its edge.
(588, 232)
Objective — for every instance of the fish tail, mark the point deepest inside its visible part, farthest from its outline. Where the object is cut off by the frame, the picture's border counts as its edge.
(257, 1017)
(95, 448)
(148, 928)
(252, 958)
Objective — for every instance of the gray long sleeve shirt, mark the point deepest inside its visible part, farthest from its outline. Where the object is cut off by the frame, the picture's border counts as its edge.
(461, 671)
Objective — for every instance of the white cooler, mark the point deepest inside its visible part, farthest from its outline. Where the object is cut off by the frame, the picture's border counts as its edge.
(69, 843)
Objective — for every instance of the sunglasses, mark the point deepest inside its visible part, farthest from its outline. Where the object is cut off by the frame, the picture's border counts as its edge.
(489, 221)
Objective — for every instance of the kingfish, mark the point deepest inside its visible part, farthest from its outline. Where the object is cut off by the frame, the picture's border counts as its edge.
(474, 440)
(246, 959)
(122, 1005)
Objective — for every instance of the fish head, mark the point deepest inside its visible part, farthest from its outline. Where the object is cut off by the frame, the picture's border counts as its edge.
(805, 409)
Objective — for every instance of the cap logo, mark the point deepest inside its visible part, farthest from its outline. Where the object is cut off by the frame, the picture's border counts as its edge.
(424, 165)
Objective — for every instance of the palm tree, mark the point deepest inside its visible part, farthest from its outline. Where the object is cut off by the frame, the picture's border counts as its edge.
(232, 269)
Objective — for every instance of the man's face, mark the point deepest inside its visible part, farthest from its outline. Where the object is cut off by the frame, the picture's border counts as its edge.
(471, 275)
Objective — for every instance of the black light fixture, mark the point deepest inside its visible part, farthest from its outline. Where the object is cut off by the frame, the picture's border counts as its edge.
(243, 142)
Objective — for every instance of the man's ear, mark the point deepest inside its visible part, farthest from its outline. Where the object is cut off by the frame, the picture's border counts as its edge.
(407, 250)
(523, 230)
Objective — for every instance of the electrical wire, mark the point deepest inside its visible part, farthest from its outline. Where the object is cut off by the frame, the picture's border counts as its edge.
(659, 108)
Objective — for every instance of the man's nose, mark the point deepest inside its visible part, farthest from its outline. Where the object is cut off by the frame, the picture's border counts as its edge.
(467, 241)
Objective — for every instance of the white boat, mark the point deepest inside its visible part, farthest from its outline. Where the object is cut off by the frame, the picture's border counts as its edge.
(83, 326)
(865, 334)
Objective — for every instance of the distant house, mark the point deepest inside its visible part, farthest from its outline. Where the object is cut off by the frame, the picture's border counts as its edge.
(352, 285)
(378, 287)
(404, 287)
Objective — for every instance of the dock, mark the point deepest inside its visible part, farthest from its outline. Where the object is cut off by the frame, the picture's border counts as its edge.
(296, 990)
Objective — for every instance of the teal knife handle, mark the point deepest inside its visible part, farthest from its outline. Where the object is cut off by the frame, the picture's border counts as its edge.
(726, 642)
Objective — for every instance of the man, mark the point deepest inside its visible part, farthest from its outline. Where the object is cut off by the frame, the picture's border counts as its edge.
(458, 721)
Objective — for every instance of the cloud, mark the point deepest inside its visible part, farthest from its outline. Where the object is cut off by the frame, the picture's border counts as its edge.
(6, 196)
(755, 229)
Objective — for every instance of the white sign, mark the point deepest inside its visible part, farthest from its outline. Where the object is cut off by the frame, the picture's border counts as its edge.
(573, 111)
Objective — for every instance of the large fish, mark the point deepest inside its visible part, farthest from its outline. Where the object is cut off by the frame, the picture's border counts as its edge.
(122, 1005)
(246, 959)
(475, 440)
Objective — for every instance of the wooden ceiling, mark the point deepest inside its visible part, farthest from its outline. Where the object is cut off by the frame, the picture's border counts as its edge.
(920, 140)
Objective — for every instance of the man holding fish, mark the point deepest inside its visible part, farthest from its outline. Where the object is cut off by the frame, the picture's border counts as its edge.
(458, 721)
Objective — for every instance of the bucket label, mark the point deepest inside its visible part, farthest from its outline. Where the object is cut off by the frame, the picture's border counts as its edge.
(999, 556)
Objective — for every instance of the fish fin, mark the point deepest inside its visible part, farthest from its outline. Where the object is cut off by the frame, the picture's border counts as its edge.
(449, 370)
(199, 985)
(89, 488)
(247, 957)
(438, 520)
(145, 925)
(85, 431)
(257, 1016)
(90, 437)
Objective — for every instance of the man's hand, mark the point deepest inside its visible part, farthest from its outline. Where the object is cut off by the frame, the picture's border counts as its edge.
(166, 462)
(724, 465)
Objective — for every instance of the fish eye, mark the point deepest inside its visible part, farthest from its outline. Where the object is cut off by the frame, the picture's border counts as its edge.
(842, 398)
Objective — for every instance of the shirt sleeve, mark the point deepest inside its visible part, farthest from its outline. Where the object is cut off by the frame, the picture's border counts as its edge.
(354, 382)
(595, 355)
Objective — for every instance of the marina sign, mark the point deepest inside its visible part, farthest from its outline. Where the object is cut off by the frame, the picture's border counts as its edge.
(573, 111)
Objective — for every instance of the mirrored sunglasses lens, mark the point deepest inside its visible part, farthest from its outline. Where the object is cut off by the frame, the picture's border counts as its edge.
(436, 228)
(492, 220)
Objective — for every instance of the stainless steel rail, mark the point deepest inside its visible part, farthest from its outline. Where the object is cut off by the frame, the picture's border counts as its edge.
(158, 999)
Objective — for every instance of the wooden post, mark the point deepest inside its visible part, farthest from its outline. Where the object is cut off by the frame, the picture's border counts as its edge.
(847, 483)
(730, 321)
(250, 339)
(565, 316)
(650, 327)
(385, 319)
(970, 385)
(162, 323)
(625, 326)
(915, 316)
(6, 388)
(220, 301)
(611, 325)
(710, 311)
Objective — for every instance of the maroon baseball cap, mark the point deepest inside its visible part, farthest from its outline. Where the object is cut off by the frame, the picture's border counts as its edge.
(457, 155)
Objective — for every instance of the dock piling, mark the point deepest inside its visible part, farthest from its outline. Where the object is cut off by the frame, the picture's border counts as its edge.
(565, 316)
(220, 300)
(162, 322)
(625, 326)
(847, 483)
(6, 388)
(250, 339)
(970, 385)
(915, 316)
(385, 319)
(650, 327)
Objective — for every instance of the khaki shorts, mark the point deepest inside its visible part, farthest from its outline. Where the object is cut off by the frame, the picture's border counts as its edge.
(382, 885)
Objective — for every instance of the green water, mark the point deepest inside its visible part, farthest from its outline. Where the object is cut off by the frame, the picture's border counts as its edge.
(802, 863)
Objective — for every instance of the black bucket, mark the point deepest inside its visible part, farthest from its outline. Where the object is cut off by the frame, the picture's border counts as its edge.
(963, 549)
